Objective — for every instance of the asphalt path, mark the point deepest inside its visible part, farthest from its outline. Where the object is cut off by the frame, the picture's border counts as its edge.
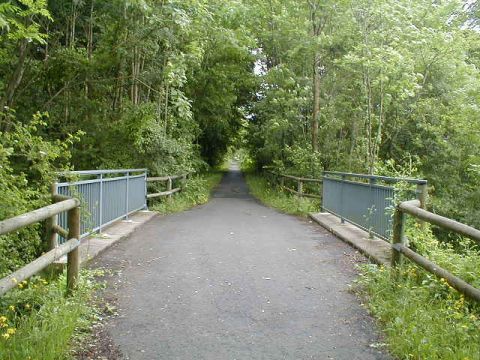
(234, 279)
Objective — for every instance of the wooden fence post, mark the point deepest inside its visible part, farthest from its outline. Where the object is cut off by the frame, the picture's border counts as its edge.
(169, 187)
(282, 181)
(398, 235)
(73, 257)
(52, 238)
(422, 194)
(300, 188)
(184, 181)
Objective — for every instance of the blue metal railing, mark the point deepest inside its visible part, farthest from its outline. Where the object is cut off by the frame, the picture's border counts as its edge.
(360, 200)
(109, 196)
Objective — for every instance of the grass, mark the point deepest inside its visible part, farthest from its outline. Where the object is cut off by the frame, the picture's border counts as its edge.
(272, 196)
(422, 316)
(197, 191)
(37, 320)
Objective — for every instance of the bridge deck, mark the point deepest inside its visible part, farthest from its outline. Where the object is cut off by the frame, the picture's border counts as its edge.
(234, 279)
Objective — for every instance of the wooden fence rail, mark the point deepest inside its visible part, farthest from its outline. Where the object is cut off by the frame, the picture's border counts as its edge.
(169, 180)
(299, 191)
(70, 247)
(400, 247)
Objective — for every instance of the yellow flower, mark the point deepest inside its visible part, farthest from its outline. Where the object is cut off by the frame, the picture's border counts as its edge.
(11, 307)
(6, 335)
(27, 306)
(20, 286)
(3, 319)
(11, 331)
(15, 281)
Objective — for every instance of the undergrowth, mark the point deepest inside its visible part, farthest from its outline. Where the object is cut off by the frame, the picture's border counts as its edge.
(197, 191)
(269, 194)
(422, 316)
(37, 320)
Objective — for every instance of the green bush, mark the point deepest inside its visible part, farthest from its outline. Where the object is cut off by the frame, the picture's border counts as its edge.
(27, 170)
(149, 145)
(271, 195)
(197, 191)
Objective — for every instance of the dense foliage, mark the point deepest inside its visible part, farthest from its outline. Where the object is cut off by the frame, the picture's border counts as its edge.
(378, 86)
(143, 83)
(352, 85)
(312, 85)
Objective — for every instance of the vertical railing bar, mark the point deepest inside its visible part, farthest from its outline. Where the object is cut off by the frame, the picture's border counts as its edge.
(101, 205)
(371, 215)
(342, 186)
(145, 194)
(126, 197)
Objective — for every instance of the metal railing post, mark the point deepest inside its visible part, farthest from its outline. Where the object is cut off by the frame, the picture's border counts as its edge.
(399, 218)
(100, 205)
(146, 191)
(126, 196)
(342, 220)
(322, 193)
(73, 257)
(372, 182)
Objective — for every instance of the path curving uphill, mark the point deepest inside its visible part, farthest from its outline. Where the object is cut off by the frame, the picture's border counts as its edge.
(234, 279)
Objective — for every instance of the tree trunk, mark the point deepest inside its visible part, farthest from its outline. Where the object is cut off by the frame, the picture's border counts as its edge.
(316, 102)
(17, 76)
(88, 84)
(74, 21)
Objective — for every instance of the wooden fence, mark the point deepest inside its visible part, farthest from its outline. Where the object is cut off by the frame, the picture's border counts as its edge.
(169, 181)
(70, 247)
(415, 208)
(399, 246)
(299, 190)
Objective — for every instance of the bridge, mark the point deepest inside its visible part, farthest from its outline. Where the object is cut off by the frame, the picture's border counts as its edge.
(232, 279)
